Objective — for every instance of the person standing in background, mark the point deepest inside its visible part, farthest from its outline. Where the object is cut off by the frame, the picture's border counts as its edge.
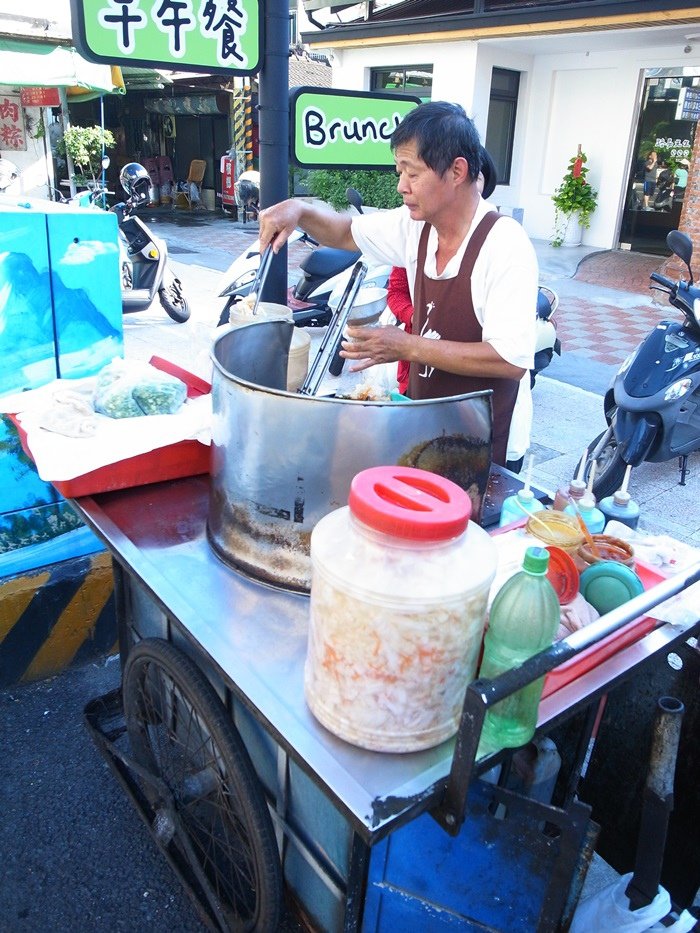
(651, 167)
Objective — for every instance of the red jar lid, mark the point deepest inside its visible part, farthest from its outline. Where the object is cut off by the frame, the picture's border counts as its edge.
(563, 574)
(409, 503)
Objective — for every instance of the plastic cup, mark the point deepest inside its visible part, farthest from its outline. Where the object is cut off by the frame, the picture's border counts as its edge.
(556, 529)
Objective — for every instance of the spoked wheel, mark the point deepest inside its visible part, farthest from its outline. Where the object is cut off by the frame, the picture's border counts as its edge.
(173, 301)
(209, 803)
(610, 468)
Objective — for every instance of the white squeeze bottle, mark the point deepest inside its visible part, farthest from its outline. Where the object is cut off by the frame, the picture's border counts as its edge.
(522, 504)
(586, 507)
(620, 506)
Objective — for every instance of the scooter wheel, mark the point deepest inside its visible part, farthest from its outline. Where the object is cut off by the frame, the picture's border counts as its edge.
(174, 302)
(610, 469)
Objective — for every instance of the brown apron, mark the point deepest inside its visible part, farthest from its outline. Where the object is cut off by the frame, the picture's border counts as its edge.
(444, 309)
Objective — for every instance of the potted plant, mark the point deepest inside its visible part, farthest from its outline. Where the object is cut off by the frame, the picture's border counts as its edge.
(574, 199)
(85, 145)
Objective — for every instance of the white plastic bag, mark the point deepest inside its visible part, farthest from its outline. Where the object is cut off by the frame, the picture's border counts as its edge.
(609, 910)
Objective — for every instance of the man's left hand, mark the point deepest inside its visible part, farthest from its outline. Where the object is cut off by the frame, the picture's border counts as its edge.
(374, 345)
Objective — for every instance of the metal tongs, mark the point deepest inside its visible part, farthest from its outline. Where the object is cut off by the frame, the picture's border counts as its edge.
(260, 276)
(331, 340)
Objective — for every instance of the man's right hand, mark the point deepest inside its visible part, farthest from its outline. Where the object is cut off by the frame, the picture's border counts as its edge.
(325, 225)
(277, 223)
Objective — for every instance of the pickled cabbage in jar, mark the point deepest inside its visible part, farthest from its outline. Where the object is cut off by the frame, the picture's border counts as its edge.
(395, 632)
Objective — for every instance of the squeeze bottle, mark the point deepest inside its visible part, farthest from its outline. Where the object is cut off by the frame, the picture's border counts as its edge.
(575, 489)
(522, 503)
(586, 507)
(590, 513)
(620, 506)
(523, 620)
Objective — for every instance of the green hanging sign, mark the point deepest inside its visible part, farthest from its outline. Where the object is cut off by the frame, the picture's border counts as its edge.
(220, 36)
(344, 129)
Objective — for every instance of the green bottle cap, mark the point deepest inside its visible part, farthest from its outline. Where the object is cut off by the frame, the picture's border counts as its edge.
(536, 560)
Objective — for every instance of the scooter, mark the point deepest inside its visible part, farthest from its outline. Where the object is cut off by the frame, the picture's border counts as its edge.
(547, 343)
(653, 405)
(143, 257)
(324, 274)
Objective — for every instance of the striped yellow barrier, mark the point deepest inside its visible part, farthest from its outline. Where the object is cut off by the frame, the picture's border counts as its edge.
(55, 617)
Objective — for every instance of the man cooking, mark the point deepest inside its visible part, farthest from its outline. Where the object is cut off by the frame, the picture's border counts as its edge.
(472, 272)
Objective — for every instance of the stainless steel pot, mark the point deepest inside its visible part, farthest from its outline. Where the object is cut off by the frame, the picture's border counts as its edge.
(281, 461)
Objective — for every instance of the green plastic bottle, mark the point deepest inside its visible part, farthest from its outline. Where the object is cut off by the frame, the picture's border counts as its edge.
(523, 620)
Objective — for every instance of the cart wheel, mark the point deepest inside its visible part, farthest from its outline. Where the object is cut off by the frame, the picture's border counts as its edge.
(216, 812)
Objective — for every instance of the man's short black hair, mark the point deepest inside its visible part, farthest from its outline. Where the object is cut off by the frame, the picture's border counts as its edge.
(442, 133)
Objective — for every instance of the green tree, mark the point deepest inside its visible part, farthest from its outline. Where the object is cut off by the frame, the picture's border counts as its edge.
(85, 145)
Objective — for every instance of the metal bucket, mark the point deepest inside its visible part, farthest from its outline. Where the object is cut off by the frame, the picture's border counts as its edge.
(281, 461)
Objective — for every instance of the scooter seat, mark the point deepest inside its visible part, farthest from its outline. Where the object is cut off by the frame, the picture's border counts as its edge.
(325, 262)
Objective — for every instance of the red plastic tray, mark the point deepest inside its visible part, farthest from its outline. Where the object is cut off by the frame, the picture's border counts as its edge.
(594, 655)
(186, 458)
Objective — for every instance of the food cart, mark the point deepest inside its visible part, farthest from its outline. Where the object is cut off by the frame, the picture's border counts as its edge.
(247, 795)
(245, 792)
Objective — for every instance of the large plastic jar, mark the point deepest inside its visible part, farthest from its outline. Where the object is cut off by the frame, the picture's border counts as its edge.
(399, 585)
(298, 363)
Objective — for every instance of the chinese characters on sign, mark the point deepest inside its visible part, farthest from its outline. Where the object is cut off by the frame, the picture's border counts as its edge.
(221, 35)
(39, 97)
(688, 104)
(12, 132)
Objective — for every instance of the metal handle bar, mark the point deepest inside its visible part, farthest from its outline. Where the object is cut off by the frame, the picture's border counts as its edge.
(481, 695)
(325, 354)
(261, 276)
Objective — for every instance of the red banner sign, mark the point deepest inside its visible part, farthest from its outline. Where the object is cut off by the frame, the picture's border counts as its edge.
(39, 97)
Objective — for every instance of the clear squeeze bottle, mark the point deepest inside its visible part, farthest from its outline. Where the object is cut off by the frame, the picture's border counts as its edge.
(522, 503)
(564, 494)
(620, 506)
(523, 621)
(573, 490)
(586, 507)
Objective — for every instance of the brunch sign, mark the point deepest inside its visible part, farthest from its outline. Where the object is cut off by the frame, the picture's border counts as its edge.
(201, 35)
(342, 129)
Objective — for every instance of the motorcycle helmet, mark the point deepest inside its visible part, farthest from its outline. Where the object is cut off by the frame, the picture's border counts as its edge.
(247, 190)
(136, 181)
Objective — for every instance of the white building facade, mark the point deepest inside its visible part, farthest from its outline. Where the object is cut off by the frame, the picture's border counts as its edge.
(615, 91)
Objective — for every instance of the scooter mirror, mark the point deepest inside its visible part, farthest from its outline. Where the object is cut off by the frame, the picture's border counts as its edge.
(681, 244)
(355, 198)
(105, 162)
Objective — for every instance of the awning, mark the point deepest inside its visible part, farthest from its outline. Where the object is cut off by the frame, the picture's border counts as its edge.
(38, 64)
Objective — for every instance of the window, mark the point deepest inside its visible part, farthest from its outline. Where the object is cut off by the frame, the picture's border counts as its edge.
(404, 79)
(293, 33)
(500, 128)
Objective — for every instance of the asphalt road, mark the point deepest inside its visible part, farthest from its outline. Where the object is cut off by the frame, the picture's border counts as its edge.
(75, 854)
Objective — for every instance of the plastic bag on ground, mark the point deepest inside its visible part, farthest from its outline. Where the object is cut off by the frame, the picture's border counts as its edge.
(608, 909)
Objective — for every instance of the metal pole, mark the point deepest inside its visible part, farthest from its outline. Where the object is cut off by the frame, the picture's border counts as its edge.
(274, 131)
(66, 125)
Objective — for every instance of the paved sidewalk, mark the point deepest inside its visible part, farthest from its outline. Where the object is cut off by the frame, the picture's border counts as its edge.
(598, 325)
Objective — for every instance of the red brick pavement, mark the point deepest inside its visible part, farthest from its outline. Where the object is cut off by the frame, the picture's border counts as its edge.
(597, 326)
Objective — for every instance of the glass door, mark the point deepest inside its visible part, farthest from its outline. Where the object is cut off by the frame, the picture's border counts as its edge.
(659, 170)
